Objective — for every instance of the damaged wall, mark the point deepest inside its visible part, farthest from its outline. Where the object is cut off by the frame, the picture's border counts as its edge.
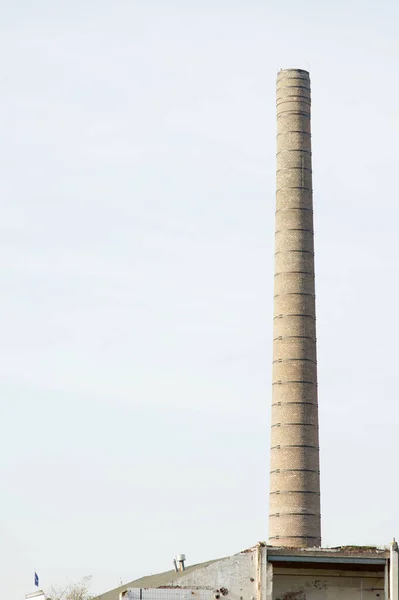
(237, 574)
(326, 585)
(232, 578)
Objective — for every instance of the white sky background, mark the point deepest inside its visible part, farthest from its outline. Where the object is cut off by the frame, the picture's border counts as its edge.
(137, 152)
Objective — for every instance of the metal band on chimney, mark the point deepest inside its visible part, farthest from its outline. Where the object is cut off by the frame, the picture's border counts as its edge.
(294, 517)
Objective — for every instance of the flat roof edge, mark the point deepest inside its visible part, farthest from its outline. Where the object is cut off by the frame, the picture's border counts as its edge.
(348, 560)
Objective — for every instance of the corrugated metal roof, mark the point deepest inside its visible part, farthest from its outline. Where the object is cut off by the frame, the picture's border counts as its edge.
(169, 578)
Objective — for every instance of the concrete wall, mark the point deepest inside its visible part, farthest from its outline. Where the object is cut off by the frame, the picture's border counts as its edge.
(232, 578)
(249, 576)
(393, 572)
(327, 585)
(236, 573)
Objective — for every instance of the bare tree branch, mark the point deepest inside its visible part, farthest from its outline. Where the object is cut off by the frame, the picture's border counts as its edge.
(73, 591)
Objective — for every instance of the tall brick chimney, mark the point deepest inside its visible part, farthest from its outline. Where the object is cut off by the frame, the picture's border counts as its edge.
(294, 518)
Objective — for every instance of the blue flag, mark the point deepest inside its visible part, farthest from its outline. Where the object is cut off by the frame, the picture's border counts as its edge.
(36, 579)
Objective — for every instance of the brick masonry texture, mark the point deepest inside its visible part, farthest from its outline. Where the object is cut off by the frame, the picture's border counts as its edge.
(294, 518)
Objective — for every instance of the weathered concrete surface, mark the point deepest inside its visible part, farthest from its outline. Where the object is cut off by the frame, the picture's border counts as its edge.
(272, 573)
(394, 572)
(294, 517)
(326, 585)
(237, 577)
(237, 574)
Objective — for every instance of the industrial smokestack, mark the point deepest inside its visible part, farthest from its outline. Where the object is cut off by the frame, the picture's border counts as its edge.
(294, 518)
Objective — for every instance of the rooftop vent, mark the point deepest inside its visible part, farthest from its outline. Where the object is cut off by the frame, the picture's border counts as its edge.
(179, 562)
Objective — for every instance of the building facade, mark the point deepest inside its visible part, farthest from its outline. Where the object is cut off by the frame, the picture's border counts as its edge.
(276, 573)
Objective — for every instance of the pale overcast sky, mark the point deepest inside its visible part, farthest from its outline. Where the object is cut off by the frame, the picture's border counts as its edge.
(137, 149)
